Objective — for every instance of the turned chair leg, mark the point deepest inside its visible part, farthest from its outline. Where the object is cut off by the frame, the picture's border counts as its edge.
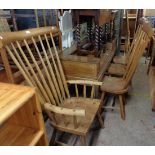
(102, 101)
(83, 141)
(122, 107)
(124, 100)
(96, 92)
(100, 120)
(113, 103)
(52, 141)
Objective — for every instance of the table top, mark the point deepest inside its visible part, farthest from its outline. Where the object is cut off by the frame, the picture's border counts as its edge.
(12, 97)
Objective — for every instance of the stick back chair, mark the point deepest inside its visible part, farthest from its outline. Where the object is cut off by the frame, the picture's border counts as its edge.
(122, 59)
(120, 69)
(119, 86)
(35, 54)
(41, 20)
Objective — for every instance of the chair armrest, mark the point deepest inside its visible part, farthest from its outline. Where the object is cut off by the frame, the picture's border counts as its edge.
(65, 111)
(87, 82)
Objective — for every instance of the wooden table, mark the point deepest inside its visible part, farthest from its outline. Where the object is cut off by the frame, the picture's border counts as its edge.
(87, 67)
(21, 121)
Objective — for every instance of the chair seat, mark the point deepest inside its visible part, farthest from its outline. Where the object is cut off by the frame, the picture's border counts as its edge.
(120, 60)
(111, 78)
(114, 85)
(66, 124)
(117, 69)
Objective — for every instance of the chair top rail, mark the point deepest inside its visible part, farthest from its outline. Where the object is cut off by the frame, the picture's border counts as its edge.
(8, 37)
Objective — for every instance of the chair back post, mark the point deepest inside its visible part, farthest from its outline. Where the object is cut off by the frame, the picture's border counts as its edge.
(134, 41)
(6, 64)
(36, 17)
(127, 41)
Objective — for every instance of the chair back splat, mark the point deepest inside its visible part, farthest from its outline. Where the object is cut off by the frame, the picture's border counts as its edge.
(35, 55)
(139, 43)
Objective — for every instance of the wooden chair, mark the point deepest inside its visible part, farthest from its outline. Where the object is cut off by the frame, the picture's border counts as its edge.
(119, 86)
(34, 53)
(118, 69)
(122, 59)
(45, 17)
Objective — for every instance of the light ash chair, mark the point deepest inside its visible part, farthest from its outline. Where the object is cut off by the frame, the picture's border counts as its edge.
(119, 86)
(35, 54)
(122, 59)
(119, 69)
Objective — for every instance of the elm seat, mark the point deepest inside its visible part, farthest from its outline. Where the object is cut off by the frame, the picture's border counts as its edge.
(120, 60)
(111, 78)
(114, 85)
(117, 69)
(83, 123)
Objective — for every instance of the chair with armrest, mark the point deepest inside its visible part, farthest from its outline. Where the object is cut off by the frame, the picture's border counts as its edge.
(35, 55)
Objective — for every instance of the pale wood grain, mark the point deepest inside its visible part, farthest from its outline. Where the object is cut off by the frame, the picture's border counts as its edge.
(21, 117)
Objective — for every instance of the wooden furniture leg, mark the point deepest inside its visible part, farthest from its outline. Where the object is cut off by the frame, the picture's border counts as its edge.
(52, 141)
(124, 101)
(122, 107)
(83, 140)
(113, 103)
(96, 92)
(102, 101)
(100, 120)
(7, 65)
